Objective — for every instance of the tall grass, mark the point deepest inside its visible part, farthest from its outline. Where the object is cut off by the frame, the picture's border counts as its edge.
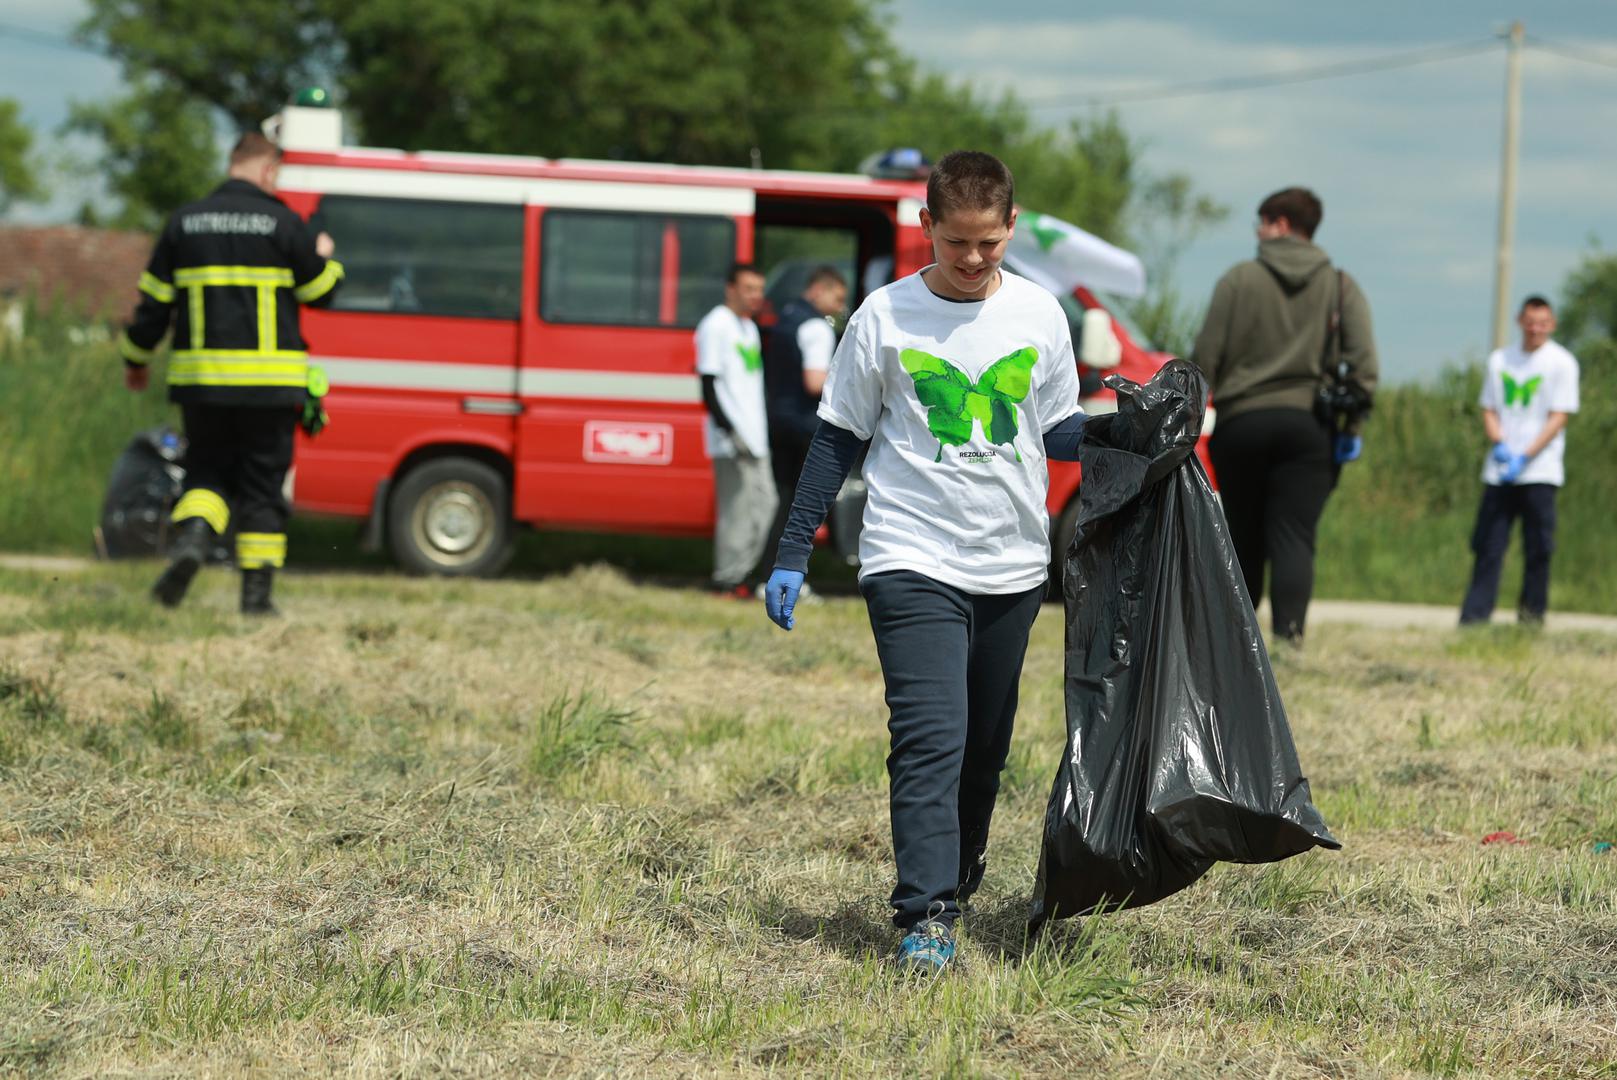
(1398, 528)
(66, 418)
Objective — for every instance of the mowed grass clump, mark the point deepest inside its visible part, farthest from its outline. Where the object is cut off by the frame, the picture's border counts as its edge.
(584, 826)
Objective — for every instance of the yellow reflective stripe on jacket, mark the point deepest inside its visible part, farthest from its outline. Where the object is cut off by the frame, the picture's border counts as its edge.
(268, 336)
(257, 550)
(238, 367)
(320, 284)
(156, 288)
(208, 505)
(197, 312)
(132, 352)
(233, 275)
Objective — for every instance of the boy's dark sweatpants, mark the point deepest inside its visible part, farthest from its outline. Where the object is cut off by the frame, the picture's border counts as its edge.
(1501, 505)
(952, 661)
(1274, 473)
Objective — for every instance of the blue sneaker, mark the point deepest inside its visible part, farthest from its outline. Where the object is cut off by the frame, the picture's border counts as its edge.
(928, 948)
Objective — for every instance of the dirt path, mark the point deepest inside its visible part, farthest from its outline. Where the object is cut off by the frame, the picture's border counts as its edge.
(1359, 612)
(1432, 616)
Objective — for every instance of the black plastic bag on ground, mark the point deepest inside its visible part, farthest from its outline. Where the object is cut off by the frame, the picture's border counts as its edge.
(1178, 750)
(146, 480)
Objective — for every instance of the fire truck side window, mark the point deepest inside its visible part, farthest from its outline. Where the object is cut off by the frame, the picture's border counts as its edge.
(421, 257)
(621, 269)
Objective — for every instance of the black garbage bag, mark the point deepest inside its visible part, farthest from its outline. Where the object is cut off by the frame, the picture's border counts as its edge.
(1178, 751)
(146, 480)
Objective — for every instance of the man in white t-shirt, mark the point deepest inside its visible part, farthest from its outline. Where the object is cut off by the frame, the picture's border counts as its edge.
(1528, 392)
(731, 365)
(961, 381)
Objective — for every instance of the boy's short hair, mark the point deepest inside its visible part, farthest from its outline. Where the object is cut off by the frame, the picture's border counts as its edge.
(970, 180)
(1297, 205)
(251, 147)
(826, 275)
(1535, 301)
(737, 269)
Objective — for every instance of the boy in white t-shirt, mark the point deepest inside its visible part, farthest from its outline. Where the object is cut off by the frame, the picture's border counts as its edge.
(1528, 392)
(961, 381)
(730, 361)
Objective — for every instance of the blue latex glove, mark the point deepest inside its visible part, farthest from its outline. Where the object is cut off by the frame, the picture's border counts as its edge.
(1501, 453)
(1348, 448)
(1511, 470)
(780, 596)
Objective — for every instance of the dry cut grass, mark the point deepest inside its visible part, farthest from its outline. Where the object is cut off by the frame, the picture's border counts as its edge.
(580, 826)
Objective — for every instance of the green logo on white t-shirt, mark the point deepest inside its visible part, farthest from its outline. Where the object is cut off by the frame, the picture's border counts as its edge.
(752, 357)
(955, 404)
(1521, 393)
(1047, 236)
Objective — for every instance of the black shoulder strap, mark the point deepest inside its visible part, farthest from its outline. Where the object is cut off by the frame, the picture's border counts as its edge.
(1333, 333)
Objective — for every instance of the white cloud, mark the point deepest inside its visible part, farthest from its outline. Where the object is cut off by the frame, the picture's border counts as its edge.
(1407, 160)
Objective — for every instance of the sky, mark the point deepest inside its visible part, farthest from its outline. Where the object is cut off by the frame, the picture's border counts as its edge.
(1406, 161)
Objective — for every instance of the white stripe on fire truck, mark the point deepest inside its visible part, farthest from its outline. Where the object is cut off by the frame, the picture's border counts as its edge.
(504, 379)
(419, 375)
(610, 385)
(571, 194)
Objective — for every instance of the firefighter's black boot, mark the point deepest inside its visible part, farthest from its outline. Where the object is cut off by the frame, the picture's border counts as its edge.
(192, 538)
(255, 591)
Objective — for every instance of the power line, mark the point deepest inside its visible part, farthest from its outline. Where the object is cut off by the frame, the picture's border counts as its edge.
(1574, 52)
(1234, 83)
(45, 38)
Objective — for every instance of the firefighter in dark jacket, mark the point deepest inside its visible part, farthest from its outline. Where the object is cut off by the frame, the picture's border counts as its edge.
(229, 273)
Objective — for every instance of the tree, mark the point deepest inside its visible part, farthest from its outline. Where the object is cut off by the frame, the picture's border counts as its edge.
(1589, 304)
(158, 150)
(1169, 215)
(806, 86)
(246, 58)
(19, 177)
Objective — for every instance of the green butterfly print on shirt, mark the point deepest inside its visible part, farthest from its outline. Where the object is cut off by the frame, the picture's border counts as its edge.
(1521, 392)
(955, 404)
(752, 357)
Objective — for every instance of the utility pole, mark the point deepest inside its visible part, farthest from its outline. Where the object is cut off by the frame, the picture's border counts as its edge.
(1507, 188)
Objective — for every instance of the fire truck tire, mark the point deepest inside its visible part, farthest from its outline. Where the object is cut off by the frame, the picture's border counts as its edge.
(1061, 533)
(451, 516)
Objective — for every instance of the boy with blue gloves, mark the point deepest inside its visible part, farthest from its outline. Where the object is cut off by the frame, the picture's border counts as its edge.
(1528, 392)
(961, 381)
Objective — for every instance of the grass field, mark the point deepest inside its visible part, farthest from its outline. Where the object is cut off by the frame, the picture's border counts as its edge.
(583, 825)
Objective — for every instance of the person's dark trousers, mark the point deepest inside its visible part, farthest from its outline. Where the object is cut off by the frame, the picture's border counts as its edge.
(1501, 505)
(952, 661)
(241, 454)
(1274, 474)
(788, 449)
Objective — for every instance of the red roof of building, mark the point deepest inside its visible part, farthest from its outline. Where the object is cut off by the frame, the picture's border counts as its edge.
(94, 269)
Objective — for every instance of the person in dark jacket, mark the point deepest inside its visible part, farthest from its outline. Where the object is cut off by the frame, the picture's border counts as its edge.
(228, 274)
(796, 361)
(1263, 347)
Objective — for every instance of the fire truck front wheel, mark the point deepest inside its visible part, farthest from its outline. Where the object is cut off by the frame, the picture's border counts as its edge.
(451, 516)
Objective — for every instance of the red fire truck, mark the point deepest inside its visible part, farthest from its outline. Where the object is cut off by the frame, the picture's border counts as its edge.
(513, 340)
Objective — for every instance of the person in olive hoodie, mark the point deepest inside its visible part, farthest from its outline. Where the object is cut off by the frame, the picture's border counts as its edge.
(1263, 348)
